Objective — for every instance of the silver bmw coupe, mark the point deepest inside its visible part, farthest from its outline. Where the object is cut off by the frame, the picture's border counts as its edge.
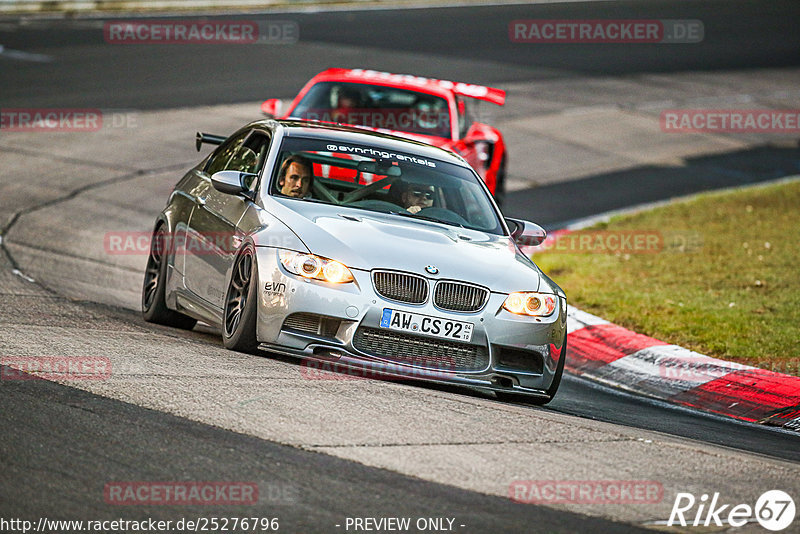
(360, 250)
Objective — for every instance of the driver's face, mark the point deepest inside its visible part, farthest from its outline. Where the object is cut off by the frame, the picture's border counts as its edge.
(296, 181)
(419, 195)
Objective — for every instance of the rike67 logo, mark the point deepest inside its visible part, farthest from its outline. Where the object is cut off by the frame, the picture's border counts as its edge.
(774, 510)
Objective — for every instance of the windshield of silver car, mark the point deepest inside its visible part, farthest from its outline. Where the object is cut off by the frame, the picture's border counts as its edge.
(375, 179)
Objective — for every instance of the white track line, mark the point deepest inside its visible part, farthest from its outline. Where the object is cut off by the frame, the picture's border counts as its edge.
(24, 56)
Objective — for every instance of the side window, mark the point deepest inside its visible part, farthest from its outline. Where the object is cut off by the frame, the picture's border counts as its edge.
(219, 161)
(250, 157)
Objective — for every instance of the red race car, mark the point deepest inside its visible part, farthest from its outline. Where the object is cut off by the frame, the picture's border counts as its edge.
(428, 110)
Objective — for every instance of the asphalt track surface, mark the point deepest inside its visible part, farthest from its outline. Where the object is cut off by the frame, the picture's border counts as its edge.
(738, 35)
(88, 439)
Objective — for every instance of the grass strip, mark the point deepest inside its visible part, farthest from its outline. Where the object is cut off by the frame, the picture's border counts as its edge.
(718, 274)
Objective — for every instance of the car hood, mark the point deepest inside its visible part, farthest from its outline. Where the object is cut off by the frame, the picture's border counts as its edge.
(369, 240)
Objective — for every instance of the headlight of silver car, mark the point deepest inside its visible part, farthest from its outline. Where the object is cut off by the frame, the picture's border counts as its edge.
(529, 303)
(316, 267)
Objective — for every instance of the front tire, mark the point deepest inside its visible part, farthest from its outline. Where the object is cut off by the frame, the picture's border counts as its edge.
(241, 303)
(154, 306)
(551, 391)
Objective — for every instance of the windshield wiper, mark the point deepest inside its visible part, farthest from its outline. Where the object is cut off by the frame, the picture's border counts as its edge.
(425, 218)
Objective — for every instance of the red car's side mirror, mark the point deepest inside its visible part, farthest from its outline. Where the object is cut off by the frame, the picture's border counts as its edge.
(271, 107)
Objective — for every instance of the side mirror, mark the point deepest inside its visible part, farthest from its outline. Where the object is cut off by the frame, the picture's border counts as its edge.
(230, 182)
(272, 107)
(525, 233)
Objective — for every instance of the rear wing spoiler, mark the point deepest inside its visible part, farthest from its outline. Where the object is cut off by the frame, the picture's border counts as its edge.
(207, 138)
(489, 94)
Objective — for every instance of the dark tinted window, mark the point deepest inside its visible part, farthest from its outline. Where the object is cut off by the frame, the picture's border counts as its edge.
(249, 157)
(376, 106)
(219, 160)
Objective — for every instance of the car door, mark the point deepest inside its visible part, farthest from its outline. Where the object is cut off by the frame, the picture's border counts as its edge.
(213, 234)
(197, 190)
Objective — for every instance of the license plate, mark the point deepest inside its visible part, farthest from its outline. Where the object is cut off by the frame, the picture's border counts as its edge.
(425, 324)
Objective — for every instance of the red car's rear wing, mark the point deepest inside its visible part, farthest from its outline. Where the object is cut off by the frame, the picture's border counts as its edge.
(481, 92)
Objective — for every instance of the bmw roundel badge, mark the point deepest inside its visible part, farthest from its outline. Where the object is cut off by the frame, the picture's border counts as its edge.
(430, 269)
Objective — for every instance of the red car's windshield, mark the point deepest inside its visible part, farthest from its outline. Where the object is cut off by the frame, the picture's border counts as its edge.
(376, 106)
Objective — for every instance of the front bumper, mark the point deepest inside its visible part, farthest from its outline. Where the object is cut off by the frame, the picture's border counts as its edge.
(507, 352)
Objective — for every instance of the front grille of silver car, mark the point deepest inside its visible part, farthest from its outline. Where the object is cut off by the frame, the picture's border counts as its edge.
(418, 351)
(459, 297)
(401, 287)
(311, 323)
